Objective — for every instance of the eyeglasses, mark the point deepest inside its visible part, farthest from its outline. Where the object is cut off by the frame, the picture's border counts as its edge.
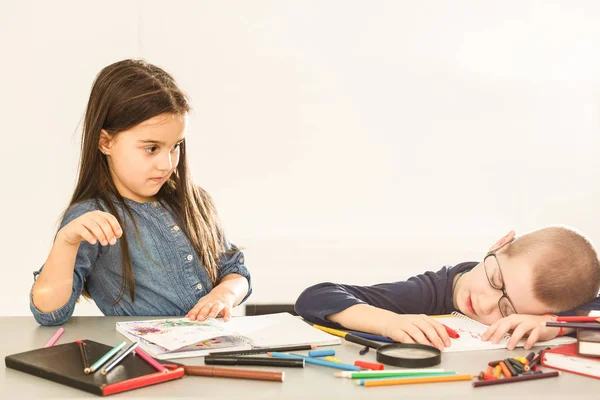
(496, 280)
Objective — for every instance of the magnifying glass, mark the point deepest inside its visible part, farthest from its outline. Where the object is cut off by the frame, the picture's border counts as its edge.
(406, 355)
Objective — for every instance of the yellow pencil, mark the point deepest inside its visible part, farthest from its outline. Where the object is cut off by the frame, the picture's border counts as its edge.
(408, 381)
(332, 331)
(333, 359)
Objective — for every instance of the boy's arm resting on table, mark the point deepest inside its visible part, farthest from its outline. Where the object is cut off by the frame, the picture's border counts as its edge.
(391, 309)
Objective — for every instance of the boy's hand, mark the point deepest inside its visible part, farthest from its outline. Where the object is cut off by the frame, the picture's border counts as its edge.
(216, 303)
(521, 325)
(413, 328)
(93, 226)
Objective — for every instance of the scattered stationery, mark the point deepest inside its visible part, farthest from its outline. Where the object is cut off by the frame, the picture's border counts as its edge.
(256, 374)
(390, 373)
(317, 361)
(102, 360)
(63, 364)
(470, 332)
(588, 342)
(55, 337)
(118, 359)
(565, 358)
(181, 337)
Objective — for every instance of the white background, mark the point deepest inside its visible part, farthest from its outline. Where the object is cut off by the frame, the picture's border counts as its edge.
(342, 140)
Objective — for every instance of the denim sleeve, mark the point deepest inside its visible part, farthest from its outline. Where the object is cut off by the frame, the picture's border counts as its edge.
(234, 264)
(86, 256)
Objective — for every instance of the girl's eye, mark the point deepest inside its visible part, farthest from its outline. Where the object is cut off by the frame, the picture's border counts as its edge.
(150, 149)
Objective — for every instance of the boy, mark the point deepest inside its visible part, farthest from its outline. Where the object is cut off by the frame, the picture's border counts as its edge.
(516, 286)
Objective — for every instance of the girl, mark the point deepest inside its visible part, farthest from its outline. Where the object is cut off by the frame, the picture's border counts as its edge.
(138, 236)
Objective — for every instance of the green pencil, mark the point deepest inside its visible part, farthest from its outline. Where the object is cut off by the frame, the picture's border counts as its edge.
(108, 355)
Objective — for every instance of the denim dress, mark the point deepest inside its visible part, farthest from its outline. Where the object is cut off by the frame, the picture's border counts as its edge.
(169, 276)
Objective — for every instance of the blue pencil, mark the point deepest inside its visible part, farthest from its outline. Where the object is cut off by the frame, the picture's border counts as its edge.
(317, 361)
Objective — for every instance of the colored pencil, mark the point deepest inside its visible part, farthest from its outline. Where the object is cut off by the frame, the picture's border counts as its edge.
(118, 359)
(519, 378)
(55, 337)
(388, 373)
(158, 366)
(102, 360)
(410, 381)
(235, 373)
(316, 361)
(331, 331)
(361, 382)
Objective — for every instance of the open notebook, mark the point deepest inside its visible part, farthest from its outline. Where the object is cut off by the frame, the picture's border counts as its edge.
(470, 332)
(180, 337)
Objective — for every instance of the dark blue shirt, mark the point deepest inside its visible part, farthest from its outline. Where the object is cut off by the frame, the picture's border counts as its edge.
(429, 293)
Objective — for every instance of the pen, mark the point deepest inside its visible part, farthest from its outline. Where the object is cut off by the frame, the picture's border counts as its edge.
(261, 361)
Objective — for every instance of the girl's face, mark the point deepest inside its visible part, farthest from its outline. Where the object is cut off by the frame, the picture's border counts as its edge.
(143, 158)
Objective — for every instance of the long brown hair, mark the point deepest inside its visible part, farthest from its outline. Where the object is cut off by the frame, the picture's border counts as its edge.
(125, 94)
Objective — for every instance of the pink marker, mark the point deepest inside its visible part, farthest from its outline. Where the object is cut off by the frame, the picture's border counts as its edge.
(159, 367)
(54, 338)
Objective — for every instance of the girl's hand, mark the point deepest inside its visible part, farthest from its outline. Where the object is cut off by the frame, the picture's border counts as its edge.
(92, 227)
(413, 328)
(216, 303)
(521, 325)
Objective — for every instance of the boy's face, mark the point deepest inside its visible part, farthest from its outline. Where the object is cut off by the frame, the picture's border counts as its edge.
(475, 297)
(143, 158)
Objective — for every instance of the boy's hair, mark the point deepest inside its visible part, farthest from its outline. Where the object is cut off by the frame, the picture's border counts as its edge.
(124, 95)
(566, 271)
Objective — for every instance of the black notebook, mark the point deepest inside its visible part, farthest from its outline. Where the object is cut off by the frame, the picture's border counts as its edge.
(63, 364)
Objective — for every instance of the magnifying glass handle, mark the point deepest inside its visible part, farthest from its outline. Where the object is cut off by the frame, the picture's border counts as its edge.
(365, 342)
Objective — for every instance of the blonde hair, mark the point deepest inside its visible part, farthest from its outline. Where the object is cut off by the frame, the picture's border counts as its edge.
(566, 271)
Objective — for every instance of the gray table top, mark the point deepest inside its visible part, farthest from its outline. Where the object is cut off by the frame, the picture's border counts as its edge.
(19, 334)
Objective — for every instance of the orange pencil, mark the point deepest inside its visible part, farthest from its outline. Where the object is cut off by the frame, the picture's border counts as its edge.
(409, 381)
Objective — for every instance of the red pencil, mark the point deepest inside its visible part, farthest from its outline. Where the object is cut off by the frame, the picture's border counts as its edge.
(451, 332)
(578, 319)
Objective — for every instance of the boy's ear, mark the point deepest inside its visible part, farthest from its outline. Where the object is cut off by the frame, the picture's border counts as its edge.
(105, 142)
(505, 239)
